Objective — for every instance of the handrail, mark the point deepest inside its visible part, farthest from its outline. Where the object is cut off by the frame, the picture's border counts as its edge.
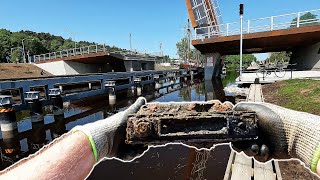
(257, 25)
(92, 49)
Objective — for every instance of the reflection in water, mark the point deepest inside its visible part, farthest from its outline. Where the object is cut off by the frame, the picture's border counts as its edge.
(10, 147)
(214, 90)
(58, 127)
(169, 162)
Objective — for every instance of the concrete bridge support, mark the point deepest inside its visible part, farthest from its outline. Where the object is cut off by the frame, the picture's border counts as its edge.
(213, 66)
(306, 58)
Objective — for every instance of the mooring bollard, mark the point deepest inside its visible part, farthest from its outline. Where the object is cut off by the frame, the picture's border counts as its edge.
(156, 80)
(11, 143)
(185, 76)
(9, 127)
(137, 83)
(56, 101)
(111, 87)
(90, 86)
(192, 75)
(35, 106)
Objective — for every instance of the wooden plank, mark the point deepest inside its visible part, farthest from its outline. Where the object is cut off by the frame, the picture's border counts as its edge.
(241, 171)
(227, 174)
(277, 169)
(250, 97)
(258, 95)
(242, 159)
(267, 165)
(263, 174)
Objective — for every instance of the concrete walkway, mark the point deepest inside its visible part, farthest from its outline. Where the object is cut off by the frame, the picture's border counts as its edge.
(250, 77)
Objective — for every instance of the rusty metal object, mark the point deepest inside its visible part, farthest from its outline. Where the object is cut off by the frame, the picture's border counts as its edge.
(158, 123)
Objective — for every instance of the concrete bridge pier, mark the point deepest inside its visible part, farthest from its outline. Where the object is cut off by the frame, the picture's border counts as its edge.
(306, 57)
(213, 66)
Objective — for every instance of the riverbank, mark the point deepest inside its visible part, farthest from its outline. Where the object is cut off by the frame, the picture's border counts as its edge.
(296, 94)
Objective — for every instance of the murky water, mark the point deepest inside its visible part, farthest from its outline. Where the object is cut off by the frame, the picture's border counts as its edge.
(169, 162)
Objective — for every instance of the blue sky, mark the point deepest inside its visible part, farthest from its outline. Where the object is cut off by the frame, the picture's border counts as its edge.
(150, 22)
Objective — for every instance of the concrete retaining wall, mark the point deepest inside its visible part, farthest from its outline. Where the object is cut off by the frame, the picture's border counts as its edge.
(307, 58)
(72, 68)
(55, 68)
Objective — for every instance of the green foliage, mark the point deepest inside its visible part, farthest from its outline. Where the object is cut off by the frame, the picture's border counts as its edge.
(35, 43)
(233, 61)
(16, 56)
(279, 56)
(182, 48)
(182, 52)
(5, 43)
(304, 19)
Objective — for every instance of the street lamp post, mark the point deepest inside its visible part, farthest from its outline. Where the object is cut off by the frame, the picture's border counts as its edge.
(241, 39)
(23, 49)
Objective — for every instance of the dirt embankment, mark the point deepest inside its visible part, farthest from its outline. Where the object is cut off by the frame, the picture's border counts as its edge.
(302, 95)
(20, 70)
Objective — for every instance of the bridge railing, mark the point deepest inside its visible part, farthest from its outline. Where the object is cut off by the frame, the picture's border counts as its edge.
(93, 49)
(285, 21)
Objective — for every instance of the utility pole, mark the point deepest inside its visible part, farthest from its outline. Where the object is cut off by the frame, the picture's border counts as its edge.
(189, 38)
(130, 36)
(161, 54)
(241, 39)
(23, 49)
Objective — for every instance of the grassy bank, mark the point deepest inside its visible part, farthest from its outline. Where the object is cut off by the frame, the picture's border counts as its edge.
(297, 94)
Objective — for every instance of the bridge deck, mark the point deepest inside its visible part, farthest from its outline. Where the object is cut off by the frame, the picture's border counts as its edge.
(260, 42)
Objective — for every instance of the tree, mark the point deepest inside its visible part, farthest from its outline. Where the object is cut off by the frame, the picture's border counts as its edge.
(182, 49)
(5, 44)
(233, 61)
(307, 19)
(182, 52)
(16, 56)
(41, 43)
(278, 56)
(68, 44)
(197, 57)
(55, 45)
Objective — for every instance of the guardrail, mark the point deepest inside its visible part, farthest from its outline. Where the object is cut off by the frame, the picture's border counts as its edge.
(93, 49)
(271, 23)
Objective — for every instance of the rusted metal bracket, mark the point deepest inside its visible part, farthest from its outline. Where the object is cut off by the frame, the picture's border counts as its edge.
(190, 122)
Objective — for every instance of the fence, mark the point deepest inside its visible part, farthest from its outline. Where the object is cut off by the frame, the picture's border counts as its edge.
(271, 23)
(83, 51)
